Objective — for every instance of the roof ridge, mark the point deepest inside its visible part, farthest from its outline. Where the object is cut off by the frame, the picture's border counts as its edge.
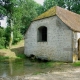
(57, 7)
(69, 18)
(48, 13)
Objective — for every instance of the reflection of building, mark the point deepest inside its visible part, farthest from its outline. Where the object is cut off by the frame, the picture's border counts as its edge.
(3, 21)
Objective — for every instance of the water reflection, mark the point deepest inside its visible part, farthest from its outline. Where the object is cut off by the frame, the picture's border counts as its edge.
(4, 67)
(11, 68)
(21, 67)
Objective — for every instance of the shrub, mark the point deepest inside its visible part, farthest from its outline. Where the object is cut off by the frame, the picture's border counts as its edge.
(17, 36)
(2, 42)
(7, 35)
(2, 32)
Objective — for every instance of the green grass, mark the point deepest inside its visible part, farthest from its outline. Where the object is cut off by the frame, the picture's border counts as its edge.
(3, 58)
(76, 63)
(50, 64)
(21, 56)
(46, 65)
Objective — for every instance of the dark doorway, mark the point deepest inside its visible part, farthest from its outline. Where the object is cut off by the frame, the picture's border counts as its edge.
(42, 34)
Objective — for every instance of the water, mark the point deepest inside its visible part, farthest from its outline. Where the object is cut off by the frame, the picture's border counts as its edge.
(12, 68)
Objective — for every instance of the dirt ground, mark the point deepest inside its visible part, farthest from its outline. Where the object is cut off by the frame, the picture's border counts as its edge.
(68, 74)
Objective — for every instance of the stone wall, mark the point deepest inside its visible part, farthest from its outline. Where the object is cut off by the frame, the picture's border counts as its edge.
(59, 40)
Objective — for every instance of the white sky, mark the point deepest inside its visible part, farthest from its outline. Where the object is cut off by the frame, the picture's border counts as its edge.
(39, 1)
(4, 22)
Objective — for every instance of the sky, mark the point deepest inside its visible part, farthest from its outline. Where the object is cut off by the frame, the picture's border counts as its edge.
(39, 1)
(3, 22)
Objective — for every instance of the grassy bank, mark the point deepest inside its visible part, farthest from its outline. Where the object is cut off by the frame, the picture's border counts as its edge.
(19, 56)
(17, 51)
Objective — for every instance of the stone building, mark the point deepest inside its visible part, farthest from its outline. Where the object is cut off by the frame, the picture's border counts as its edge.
(54, 36)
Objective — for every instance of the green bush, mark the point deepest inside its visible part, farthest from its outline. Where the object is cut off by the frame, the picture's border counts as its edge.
(17, 36)
(5, 36)
(2, 42)
(2, 58)
(2, 37)
(2, 32)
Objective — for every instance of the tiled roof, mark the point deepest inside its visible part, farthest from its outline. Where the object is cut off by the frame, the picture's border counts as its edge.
(50, 12)
(69, 18)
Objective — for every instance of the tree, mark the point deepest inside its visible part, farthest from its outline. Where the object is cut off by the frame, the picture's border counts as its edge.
(50, 3)
(20, 13)
(39, 8)
(8, 8)
(29, 13)
(72, 5)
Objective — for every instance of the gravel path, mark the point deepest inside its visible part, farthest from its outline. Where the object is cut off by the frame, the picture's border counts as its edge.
(73, 74)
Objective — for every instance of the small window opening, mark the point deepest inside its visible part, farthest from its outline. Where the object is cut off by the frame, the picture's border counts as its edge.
(42, 34)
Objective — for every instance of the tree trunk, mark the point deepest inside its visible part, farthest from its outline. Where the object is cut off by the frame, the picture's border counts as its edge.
(11, 34)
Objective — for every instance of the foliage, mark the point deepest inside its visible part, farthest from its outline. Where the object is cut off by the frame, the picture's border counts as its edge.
(19, 13)
(29, 13)
(2, 38)
(50, 3)
(72, 5)
(39, 8)
(5, 37)
(17, 36)
(2, 58)
(21, 56)
(2, 42)
(1, 32)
